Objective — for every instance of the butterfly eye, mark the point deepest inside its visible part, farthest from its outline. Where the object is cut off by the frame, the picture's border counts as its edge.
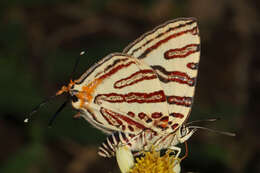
(74, 98)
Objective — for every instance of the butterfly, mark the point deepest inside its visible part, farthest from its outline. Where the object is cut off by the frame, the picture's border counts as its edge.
(142, 96)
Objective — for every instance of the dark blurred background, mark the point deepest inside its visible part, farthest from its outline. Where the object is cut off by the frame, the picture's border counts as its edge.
(40, 41)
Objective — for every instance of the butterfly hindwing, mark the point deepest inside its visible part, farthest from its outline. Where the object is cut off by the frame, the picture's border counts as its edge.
(173, 51)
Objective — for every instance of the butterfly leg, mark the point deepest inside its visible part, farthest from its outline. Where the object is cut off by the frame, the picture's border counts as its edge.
(77, 115)
(174, 148)
(186, 151)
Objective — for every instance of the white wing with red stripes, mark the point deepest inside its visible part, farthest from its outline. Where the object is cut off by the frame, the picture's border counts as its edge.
(150, 86)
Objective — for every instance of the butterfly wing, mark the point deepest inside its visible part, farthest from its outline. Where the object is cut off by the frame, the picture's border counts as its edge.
(121, 93)
(173, 51)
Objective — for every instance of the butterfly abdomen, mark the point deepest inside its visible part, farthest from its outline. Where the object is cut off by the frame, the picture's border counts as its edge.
(108, 147)
(136, 143)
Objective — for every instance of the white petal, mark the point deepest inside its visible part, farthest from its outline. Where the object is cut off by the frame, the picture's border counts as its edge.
(124, 158)
(177, 167)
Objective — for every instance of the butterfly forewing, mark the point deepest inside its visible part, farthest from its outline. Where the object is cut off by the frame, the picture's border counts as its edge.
(173, 51)
(121, 93)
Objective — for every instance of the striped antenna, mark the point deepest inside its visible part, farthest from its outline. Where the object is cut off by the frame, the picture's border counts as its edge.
(204, 120)
(212, 130)
(76, 64)
(208, 129)
(26, 120)
(57, 113)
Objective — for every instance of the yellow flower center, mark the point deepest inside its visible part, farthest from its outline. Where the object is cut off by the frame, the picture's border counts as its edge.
(152, 162)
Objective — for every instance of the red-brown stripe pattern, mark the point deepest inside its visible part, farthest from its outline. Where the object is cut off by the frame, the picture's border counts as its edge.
(110, 118)
(155, 46)
(117, 119)
(193, 66)
(174, 126)
(132, 97)
(157, 115)
(134, 78)
(178, 100)
(116, 62)
(193, 31)
(173, 76)
(181, 52)
(177, 115)
(114, 69)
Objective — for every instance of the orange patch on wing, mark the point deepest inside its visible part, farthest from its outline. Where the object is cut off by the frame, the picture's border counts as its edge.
(85, 95)
(164, 125)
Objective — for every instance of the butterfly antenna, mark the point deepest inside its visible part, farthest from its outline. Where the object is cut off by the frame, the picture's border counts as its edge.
(214, 131)
(57, 113)
(44, 102)
(204, 120)
(76, 64)
(26, 120)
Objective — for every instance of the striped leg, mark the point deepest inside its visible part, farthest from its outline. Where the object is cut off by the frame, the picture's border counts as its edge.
(174, 148)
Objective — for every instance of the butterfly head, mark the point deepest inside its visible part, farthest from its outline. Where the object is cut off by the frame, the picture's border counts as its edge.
(184, 133)
(73, 94)
(81, 95)
(66, 89)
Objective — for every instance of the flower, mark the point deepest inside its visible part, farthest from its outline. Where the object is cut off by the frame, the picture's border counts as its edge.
(152, 162)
